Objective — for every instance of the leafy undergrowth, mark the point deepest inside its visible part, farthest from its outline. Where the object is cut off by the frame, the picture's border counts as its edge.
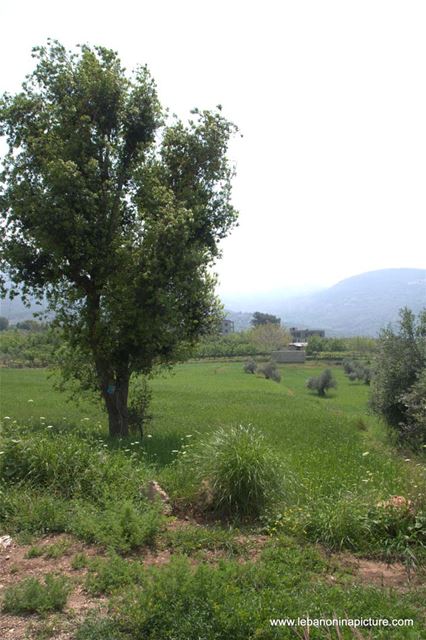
(60, 483)
(32, 596)
(222, 592)
(230, 599)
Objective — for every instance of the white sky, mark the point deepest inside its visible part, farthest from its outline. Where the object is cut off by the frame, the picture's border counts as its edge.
(330, 97)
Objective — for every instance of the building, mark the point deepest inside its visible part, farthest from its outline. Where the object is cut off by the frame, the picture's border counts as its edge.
(302, 335)
(227, 327)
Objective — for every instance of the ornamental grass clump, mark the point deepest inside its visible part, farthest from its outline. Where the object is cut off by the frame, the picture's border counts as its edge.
(239, 472)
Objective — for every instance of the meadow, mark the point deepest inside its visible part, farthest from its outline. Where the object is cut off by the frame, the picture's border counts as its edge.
(225, 577)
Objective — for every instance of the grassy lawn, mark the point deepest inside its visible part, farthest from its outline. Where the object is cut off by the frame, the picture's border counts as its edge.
(64, 475)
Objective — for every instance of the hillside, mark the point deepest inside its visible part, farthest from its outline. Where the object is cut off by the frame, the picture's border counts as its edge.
(359, 305)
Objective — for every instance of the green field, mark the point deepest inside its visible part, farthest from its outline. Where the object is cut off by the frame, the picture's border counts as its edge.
(337, 465)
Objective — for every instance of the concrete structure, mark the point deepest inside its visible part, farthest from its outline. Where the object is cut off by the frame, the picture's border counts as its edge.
(302, 335)
(288, 356)
(227, 327)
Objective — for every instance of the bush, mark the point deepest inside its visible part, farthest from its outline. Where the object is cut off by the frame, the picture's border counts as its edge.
(322, 383)
(240, 471)
(106, 576)
(31, 596)
(120, 526)
(250, 367)
(271, 372)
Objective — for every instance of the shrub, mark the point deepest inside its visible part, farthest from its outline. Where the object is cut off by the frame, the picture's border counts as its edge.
(120, 526)
(271, 372)
(241, 472)
(96, 628)
(250, 366)
(31, 596)
(322, 383)
(105, 576)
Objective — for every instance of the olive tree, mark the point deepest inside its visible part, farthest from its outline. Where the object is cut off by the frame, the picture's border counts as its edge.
(399, 365)
(115, 213)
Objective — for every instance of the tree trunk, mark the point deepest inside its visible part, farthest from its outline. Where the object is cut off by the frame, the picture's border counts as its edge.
(116, 396)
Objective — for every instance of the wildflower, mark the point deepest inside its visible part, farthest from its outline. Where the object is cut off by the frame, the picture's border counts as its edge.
(49, 426)
(149, 435)
(366, 453)
(6, 418)
(30, 400)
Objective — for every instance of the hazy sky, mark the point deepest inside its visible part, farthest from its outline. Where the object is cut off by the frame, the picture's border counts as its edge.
(330, 97)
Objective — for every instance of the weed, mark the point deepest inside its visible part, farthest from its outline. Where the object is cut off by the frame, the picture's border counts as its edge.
(119, 526)
(79, 561)
(34, 552)
(31, 596)
(107, 575)
(57, 549)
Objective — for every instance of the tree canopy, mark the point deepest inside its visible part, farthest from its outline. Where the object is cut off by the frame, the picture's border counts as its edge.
(264, 318)
(114, 212)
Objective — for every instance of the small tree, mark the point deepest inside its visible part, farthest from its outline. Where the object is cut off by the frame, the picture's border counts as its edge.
(270, 371)
(322, 383)
(4, 323)
(250, 366)
(114, 213)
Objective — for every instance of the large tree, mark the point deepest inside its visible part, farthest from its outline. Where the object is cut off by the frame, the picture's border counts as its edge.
(114, 213)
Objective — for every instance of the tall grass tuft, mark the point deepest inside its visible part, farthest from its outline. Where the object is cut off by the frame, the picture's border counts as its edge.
(240, 473)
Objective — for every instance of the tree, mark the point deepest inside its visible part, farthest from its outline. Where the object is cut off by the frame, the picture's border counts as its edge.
(413, 429)
(115, 213)
(399, 362)
(268, 337)
(264, 318)
(4, 323)
(322, 383)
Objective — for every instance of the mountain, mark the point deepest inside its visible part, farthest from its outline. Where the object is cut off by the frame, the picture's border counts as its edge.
(360, 305)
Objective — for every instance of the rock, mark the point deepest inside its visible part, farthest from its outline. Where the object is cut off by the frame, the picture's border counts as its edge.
(154, 492)
(5, 542)
(397, 502)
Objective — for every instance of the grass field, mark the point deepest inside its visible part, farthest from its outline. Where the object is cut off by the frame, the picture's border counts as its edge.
(337, 465)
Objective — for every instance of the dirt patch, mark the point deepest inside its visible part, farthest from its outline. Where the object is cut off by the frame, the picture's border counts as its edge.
(376, 573)
(14, 567)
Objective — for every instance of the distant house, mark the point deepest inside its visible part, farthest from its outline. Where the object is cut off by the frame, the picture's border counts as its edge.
(227, 327)
(302, 335)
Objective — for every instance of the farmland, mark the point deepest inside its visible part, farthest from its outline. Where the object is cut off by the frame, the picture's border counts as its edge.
(308, 552)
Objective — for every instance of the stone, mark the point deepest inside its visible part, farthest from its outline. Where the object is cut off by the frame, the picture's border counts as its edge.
(154, 492)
